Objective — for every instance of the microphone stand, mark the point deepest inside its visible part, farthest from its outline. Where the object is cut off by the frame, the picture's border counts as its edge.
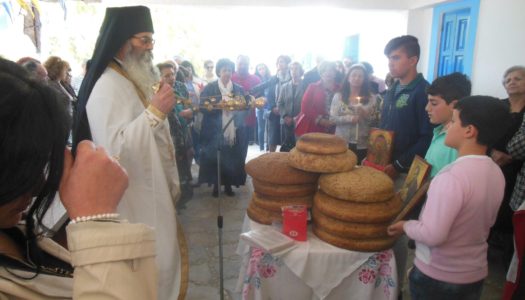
(219, 211)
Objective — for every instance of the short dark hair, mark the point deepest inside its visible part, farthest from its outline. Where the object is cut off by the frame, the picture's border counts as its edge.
(450, 87)
(222, 63)
(34, 129)
(484, 112)
(409, 44)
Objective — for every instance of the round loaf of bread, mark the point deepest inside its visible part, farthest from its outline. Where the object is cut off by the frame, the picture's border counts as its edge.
(362, 245)
(321, 143)
(358, 212)
(281, 190)
(274, 168)
(319, 163)
(347, 229)
(261, 215)
(275, 203)
(363, 184)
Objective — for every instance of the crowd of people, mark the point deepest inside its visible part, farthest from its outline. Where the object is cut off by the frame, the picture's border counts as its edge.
(138, 128)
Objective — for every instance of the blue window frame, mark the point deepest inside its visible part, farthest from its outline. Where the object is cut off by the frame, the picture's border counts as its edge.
(453, 38)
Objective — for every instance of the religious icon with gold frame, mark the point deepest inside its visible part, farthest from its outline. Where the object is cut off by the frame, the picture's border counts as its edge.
(417, 174)
(380, 146)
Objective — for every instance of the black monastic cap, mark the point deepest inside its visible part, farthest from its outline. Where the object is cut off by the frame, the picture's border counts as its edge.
(119, 25)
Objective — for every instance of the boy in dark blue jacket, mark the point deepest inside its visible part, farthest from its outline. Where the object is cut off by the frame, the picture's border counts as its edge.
(404, 105)
(404, 114)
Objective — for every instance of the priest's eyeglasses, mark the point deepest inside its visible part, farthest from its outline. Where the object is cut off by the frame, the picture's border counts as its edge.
(145, 40)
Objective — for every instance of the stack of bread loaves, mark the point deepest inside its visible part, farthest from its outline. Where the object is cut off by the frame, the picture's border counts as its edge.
(276, 184)
(352, 210)
(322, 153)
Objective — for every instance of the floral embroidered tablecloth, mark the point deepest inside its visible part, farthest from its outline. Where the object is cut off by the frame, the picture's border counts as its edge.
(316, 270)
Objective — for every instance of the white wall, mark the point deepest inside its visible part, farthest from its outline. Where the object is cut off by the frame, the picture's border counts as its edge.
(373, 39)
(500, 43)
(420, 26)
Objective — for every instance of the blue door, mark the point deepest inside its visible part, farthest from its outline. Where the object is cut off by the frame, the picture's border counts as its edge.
(351, 49)
(453, 44)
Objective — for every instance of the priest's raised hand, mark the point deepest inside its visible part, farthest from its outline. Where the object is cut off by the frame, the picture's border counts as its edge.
(164, 99)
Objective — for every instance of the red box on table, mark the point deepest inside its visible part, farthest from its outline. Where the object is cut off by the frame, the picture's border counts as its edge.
(294, 221)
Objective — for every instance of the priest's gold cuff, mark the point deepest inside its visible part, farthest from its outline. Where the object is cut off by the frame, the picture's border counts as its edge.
(157, 112)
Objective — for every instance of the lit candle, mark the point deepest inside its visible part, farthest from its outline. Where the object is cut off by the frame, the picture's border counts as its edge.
(357, 124)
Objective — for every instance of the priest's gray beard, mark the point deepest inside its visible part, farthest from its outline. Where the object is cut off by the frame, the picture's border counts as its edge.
(141, 70)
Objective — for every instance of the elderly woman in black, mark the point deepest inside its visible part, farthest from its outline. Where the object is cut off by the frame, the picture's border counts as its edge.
(501, 233)
(225, 130)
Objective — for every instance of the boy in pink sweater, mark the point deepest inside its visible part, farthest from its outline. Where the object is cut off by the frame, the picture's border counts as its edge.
(462, 205)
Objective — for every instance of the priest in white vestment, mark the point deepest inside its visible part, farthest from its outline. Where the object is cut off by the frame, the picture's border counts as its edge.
(119, 109)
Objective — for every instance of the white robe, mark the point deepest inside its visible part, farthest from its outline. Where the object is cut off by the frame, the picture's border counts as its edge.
(120, 122)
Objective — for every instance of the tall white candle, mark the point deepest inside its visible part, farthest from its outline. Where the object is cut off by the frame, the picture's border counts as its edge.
(357, 124)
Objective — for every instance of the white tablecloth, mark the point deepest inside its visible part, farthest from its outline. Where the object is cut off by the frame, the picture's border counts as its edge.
(315, 270)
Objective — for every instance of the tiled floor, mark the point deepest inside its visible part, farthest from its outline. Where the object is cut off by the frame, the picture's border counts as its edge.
(199, 221)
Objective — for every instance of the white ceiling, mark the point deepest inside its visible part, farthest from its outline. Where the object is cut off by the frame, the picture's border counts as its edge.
(349, 4)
